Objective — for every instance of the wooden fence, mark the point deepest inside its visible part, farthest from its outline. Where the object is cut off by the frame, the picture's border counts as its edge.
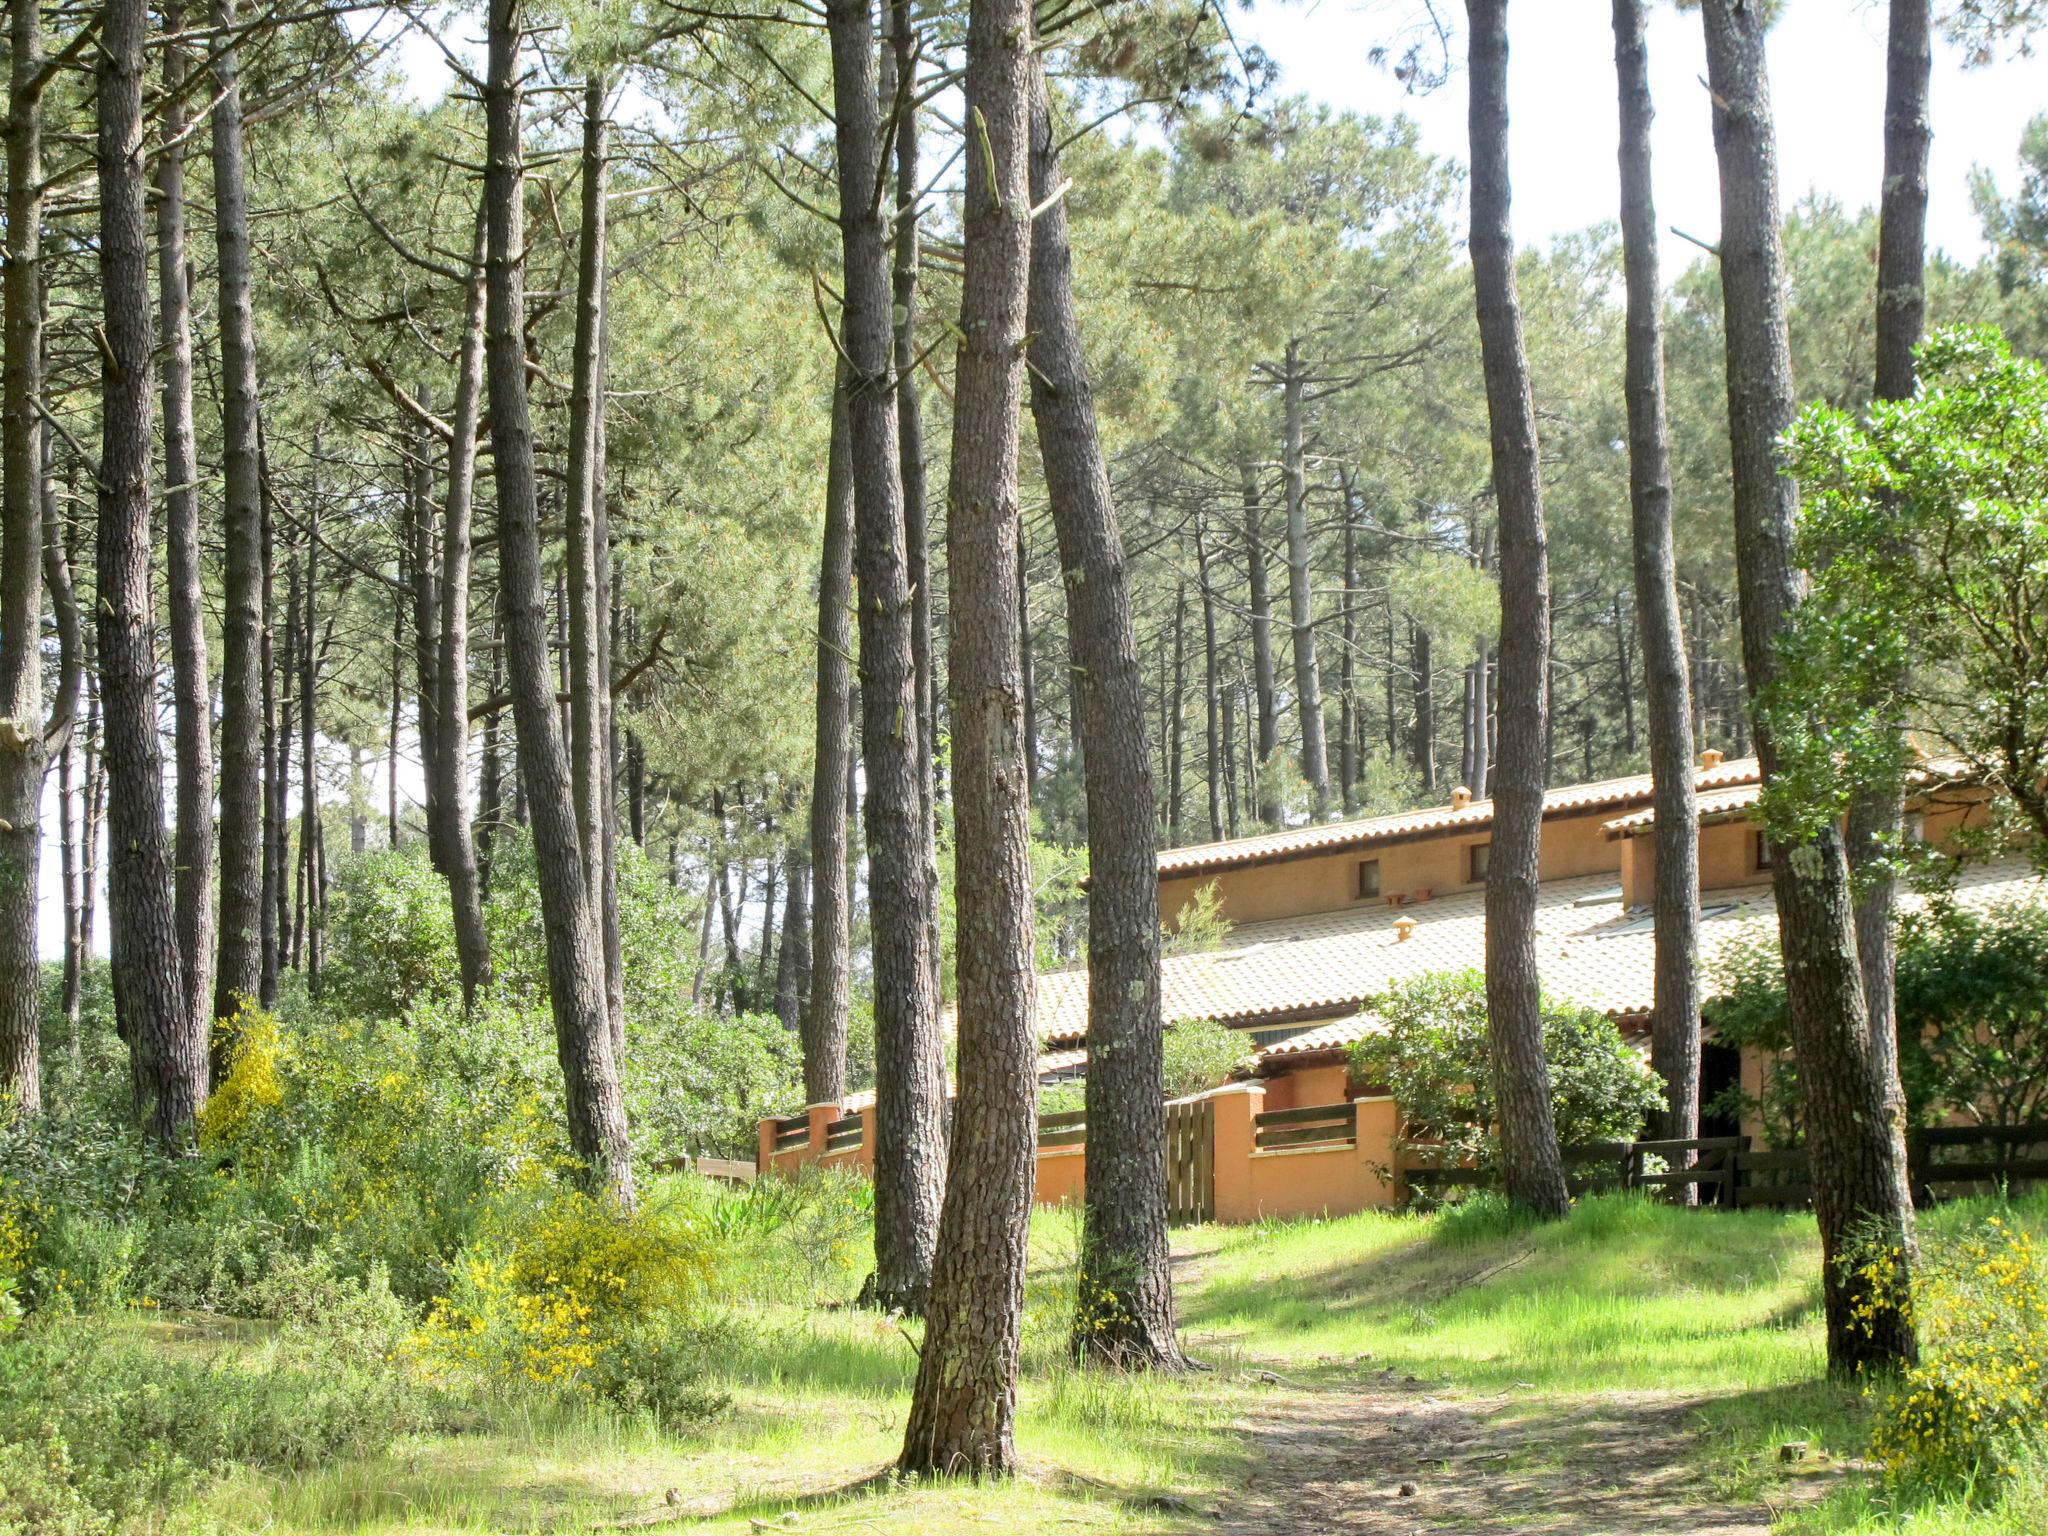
(1728, 1172)
(1191, 1161)
(1314, 1125)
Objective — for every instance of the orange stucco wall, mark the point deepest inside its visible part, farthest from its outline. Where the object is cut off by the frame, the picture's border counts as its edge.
(1255, 1185)
(1062, 1175)
(1304, 1086)
(1436, 865)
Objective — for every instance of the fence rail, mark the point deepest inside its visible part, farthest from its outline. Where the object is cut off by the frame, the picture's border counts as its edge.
(1730, 1173)
(793, 1132)
(1068, 1128)
(844, 1134)
(1314, 1125)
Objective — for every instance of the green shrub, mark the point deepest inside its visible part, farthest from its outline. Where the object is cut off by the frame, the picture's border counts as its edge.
(1972, 1009)
(567, 1292)
(1431, 1054)
(1974, 1409)
(1202, 1054)
(102, 1429)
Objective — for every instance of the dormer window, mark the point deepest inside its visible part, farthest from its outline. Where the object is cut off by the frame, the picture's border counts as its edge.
(1368, 879)
(1480, 856)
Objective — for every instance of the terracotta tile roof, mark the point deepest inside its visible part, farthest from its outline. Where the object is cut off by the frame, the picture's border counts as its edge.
(1589, 951)
(1049, 1062)
(1736, 802)
(1325, 837)
(1715, 805)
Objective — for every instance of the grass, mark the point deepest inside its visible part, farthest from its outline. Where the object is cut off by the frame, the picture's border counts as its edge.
(1716, 1314)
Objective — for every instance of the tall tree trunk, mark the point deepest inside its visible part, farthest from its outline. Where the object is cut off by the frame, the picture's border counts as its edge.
(824, 1018)
(1347, 664)
(1125, 1310)
(307, 926)
(569, 915)
(909, 1056)
(1176, 731)
(273, 830)
(1228, 747)
(793, 960)
(1533, 1172)
(898, 90)
(191, 693)
(588, 559)
(22, 743)
(1308, 681)
(1215, 745)
(288, 936)
(149, 983)
(1675, 1013)
(1481, 780)
(62, 730)
(1028, 674)
(1875, 818)
(239, 975)
(448, 765)
(964, 1401)
(1854, 1125)
(1262, 651)
(1424, 669)
(1625, 683)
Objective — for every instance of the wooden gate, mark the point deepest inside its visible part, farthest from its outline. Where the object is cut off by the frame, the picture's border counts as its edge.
(1191, 1162)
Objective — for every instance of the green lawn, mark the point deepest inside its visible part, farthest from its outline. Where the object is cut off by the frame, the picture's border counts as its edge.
(1625, 1302)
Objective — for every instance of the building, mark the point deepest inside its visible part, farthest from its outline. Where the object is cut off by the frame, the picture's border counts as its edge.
(1321, 919)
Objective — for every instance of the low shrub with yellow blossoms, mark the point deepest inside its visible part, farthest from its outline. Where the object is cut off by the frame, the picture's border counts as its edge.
(566, 1290)
(1973, 1407)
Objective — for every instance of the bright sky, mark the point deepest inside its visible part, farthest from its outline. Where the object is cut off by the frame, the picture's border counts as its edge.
(1827, 81)
(1827, 66)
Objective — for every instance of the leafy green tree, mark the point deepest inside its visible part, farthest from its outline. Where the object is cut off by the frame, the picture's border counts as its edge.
(1431, 1055)
(1926, 529)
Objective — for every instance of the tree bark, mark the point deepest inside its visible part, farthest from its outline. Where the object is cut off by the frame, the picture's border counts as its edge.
(308, 933)
(1424, 670)
(964, 1402)
(1308, 680)
(824, 1018)
(909, 1056)
(1028, 676)
(1531, 1167)
(589, 687)
(1854, 1125)
(793, 960)
(1875, 818)
(448, 765)
(191, 693)
(1262, 651)
(1347, 664)
(1215, 745)
(1124, 1314)
(272, 851)
(239, 975)
(897, 87)
(569, 915)
(22, 742)
(1675, 1013)
(149, 986)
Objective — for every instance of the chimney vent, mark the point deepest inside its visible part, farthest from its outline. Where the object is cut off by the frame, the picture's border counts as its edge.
(1710, 759)
(1460, 798)
(1404, 929)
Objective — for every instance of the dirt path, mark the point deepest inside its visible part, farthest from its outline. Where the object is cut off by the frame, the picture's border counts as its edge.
(1396, 1457)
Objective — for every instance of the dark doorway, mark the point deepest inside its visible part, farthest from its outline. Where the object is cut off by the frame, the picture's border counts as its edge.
(1720, 1072)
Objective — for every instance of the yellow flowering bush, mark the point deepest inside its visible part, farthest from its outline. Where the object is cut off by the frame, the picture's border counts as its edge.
(253, 1085)
(1975, 1403)
(566, 1290)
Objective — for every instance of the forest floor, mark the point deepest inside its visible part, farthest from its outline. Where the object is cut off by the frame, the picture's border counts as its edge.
(1636, 1369)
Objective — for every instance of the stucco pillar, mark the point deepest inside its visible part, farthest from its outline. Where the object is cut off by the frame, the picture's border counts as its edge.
(1237, 1110)
(1377, 1123)
(820, 1116)
(764, 1152)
